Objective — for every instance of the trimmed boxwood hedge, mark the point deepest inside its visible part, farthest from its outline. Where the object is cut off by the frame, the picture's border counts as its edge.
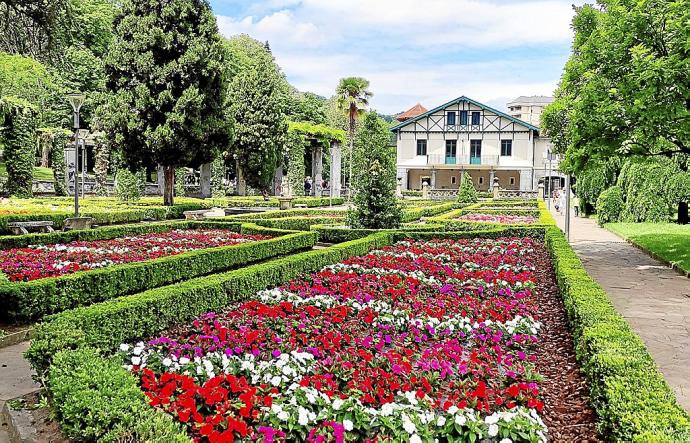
(35, 299)
(296, 223)
(107, 324)
(337, 234)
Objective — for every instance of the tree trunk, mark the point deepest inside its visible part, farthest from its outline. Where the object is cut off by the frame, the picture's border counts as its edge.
(46, 146)
(169, 175)
(683, 213)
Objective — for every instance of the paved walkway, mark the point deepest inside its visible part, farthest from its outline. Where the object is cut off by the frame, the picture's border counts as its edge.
(652, 297)
(15, 378)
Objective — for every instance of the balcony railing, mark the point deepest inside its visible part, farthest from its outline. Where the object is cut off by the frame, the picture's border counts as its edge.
(461, 159)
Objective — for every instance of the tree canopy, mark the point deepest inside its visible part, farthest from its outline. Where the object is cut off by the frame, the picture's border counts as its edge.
(624, 90)
(166, 85)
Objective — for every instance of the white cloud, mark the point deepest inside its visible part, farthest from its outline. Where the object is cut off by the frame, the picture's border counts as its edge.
(415, 50)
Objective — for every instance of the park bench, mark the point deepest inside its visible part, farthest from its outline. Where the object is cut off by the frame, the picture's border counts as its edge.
(20, 228)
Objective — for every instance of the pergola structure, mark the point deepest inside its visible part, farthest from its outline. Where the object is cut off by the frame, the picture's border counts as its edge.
(320, 139)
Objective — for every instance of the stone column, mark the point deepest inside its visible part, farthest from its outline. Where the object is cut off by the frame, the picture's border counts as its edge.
(336, 165)
(526, 183)
(278, 181)
(160, 179)
(402, 176)
(317, 169)
(491, 176)
(241, 182)
(70, 166)
(205, 180)
(433, 179)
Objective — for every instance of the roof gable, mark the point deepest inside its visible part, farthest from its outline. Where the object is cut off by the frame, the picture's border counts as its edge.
(469, 100)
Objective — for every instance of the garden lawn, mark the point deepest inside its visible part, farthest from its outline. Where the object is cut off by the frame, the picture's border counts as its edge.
(39, 173)
(668, 242)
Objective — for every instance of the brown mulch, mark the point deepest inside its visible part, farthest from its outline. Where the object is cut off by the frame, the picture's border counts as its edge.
(567, 412)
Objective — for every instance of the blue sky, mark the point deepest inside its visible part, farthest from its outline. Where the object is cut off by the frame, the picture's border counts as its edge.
(427, 51)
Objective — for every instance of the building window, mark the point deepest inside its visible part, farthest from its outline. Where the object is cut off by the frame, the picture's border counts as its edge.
(481, 180)
(475, 152)
(463, 118)
(453, 180)
(476, 115)
(421, 147)
(451, 148)
(450, 118)
(506, 148)
(512, 180)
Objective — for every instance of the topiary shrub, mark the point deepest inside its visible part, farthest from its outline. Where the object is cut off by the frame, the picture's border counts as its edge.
(610, 205)
(375, 204)
(19, 131)
(467, 193)
(179, 181)
(129, 186)
(217, 177)
(101, 168)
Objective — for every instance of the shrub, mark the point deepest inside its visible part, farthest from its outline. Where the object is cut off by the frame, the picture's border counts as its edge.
(96, 399)
(467, 193)
(129, 186)
(610, 205)
(593, 180)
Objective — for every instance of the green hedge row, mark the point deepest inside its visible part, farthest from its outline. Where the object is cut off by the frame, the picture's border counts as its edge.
(95, 399)
(289, 213)
(633, 401)
(102, 216)
(508, 204)
(35, 299)
(106, 325)
(413, 214)
(338, 234)
(296, 223)
(107, 232)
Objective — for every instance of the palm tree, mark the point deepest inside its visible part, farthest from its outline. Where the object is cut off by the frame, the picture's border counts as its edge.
(353, 98)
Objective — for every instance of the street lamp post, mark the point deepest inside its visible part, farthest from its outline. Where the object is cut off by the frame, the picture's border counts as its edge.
(567, 207)
(548, 194)
(76, 100)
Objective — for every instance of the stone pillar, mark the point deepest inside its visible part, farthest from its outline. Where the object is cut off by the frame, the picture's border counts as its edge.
(278, 181)
(160, 179)
(491, 176)
(541, 191)
(336, 165)
(241, 182)
(70, 166)
(317, 169)
(496, 188)
(402, 178)
(526, 183)
(433, 179)
(425, 191)
(205, 180)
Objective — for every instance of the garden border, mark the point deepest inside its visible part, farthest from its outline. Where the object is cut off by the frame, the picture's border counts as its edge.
(32, 300)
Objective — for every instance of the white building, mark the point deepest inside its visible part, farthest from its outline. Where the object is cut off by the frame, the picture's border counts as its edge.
(439, 145)
(529, 109)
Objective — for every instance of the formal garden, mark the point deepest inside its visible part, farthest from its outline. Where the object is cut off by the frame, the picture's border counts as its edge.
(192, 250)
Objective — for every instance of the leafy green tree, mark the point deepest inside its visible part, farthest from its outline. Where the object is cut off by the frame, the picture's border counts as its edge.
(352, 98)
(624, 91)
(166, 86)
(19, 130)
(307, 107)
(467, 194)
(375, 204)
(610, 205)
(259, 123)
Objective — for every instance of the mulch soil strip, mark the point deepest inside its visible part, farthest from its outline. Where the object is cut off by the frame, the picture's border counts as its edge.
(567, 412)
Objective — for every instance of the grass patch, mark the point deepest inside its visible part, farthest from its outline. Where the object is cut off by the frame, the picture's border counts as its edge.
(667, 241)
(39, 173)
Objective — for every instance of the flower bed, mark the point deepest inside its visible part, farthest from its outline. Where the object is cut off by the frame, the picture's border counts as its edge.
(497, 218)
(417, 341)
(41, 261)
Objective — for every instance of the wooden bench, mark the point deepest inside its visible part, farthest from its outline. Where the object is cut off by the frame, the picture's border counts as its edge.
(20, 228)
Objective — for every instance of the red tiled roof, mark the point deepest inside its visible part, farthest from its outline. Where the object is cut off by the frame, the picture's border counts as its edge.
(411, 113)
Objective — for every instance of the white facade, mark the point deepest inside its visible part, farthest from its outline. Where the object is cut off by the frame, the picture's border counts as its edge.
(463, 135)
(529, 109)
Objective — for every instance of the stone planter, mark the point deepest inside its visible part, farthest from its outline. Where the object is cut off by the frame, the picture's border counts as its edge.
(285, 202)
(75, 223)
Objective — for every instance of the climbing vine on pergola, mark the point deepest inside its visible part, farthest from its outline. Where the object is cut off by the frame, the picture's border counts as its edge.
(301, 135)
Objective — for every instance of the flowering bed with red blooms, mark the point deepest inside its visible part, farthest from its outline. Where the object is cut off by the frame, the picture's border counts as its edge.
(40, 261)
(502, 219)
(418, 341)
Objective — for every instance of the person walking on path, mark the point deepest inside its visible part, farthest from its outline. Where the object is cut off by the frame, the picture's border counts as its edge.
(307, 186)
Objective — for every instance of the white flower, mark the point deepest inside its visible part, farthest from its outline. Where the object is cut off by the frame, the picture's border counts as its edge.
(491, 419)
(415, 439)
(506, 440)
(337, 404)
(136, 361)
(493, 430)
(348, 425)
(167, 362)
(124, 347)
(453, 409)
(184, 360)
(303, 418)
(283, 415)
(275, 381)
(460, 419)
(409, 427)
(441, 421)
